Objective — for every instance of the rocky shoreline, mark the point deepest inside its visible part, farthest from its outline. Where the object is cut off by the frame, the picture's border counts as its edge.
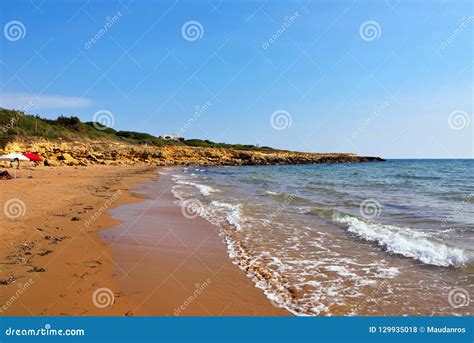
(83, 153)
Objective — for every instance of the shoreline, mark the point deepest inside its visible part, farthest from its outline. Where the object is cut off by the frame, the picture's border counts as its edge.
(178, 266)
(112, 241)
(56, 262)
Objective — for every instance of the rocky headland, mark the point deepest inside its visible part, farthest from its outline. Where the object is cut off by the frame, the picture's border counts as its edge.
(85, 153)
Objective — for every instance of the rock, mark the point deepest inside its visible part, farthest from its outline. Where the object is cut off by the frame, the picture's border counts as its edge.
(36, 269)
(51, 163)
(83, 153)
(9, 280)
(68, 159)
(55, 239)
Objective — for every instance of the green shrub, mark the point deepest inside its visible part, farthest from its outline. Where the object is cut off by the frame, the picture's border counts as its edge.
(16, 123)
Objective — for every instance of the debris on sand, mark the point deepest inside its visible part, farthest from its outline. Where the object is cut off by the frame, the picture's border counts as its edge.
(9, 280)
(59, 214)
(36, 269)
(4, 175)
(26, 246)
(55, 239)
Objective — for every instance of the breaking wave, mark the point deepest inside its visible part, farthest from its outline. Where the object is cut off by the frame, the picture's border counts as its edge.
(405, 241)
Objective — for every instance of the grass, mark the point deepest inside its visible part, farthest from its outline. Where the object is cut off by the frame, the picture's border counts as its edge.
(17, 124)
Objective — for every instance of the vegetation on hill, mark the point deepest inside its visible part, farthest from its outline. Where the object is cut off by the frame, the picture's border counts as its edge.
(17, 124)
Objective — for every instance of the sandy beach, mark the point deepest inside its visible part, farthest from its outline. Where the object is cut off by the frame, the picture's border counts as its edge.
(54, 261)
(170, 264)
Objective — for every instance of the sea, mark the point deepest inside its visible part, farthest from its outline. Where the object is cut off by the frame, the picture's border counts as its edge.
(385, 238)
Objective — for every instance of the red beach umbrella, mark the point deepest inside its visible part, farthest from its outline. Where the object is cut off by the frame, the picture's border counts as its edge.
(33, 157)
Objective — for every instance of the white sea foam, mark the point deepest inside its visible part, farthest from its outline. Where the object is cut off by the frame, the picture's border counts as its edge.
(233, 215)
(387, 273)
(406, 242)
(347, 274)
(204, 189)
(304, 210)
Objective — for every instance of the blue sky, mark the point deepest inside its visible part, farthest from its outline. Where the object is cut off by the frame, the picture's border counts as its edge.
(387, 78)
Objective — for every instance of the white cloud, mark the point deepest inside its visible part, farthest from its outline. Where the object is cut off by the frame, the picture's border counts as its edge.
(25, 102)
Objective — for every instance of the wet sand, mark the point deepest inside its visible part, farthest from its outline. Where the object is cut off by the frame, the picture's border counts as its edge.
(172, 265)
(53, 261)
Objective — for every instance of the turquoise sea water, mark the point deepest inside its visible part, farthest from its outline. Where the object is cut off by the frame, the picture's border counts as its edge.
(372, 238)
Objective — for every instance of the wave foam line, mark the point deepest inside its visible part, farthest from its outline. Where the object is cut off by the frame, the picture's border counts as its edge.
(204, 189)
(233, 216)
(406, 242)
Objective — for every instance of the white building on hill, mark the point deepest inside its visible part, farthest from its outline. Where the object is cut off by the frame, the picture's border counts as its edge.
(171, 137)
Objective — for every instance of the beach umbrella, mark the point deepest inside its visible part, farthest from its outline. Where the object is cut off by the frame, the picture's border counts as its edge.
(32, 157)
(14, 157)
